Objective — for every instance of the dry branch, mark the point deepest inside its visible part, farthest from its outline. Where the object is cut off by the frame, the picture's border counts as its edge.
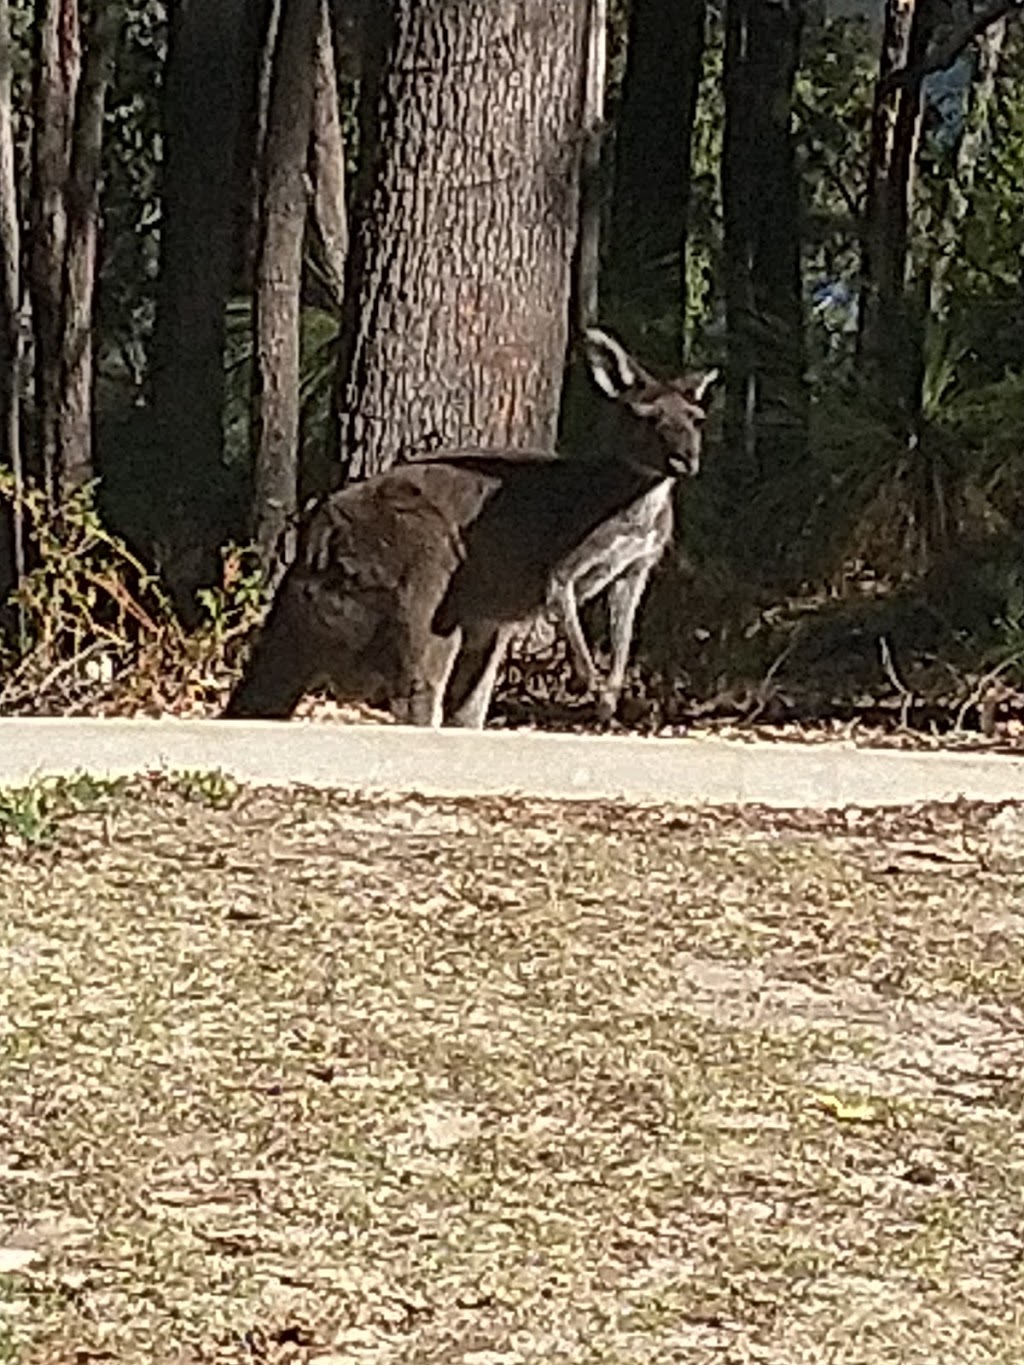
(944, 52)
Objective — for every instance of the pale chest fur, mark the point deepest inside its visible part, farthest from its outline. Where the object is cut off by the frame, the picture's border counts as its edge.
(636, 535)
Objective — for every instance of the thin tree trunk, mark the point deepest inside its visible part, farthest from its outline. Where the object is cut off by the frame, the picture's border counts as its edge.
(653, 156)
(259, 38)
(588, 255)
(954, 202)
(58, 62)
(457, 296)
(329, 217)
(889, 335)
(279, 275)
(766, 397)
(74, 413)
(12, 565)
(202, 103)
(369, 30)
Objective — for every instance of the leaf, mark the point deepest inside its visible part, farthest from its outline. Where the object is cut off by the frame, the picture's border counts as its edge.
(858, 1111)
(14, 1259)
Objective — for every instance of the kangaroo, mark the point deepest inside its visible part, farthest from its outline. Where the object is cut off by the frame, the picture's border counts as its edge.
(407, 588)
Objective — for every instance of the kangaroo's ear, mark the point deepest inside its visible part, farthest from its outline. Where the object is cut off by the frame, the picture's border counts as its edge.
(613, 369)
(696, 384)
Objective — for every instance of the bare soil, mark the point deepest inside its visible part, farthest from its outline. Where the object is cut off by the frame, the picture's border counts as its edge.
(303, 1077)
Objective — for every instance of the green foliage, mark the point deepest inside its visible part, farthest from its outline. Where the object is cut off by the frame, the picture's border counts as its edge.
(214, 789)
(29, 815)
(97, 629)
(86, 585)
(237, 601)
(867, 494)
(704, 283)
(131, 199)
(832, 100)
(983, 262)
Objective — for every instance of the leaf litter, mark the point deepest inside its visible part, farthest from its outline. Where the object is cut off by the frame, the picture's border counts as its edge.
(297, 1076)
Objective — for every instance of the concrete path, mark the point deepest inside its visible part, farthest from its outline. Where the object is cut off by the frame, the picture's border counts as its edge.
(690, 771)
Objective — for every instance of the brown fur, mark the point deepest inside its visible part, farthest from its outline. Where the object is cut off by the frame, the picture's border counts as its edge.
(407, 588)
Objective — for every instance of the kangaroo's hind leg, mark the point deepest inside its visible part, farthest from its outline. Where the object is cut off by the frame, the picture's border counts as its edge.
(475, 674)
(281, 668)
(423, 675)
(623, 599)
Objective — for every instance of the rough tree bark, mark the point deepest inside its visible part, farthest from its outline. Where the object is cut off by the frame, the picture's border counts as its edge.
(766, 395)
(58, 65)
(277, 310)
(457, 289)
(74, 417)
(329, 217)
(68, 111)
(204, 94)
(653, 158)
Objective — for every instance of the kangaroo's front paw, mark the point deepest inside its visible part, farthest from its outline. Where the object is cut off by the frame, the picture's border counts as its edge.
(583, 677)
(607, 705)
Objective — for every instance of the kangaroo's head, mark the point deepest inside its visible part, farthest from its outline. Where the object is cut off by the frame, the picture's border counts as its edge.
(668, 415)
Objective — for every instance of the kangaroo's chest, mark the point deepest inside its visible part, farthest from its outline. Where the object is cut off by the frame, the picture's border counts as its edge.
(633, 537)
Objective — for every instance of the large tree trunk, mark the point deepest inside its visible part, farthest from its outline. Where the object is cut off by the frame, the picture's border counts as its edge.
(653, 157)
(459, 271)
(279, 275)
(766, 398)
(12, 562)
(204, 94)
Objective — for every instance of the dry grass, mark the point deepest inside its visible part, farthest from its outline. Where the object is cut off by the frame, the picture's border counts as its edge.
(300, 1077)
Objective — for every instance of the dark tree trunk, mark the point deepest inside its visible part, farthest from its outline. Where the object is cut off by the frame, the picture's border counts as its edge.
(12, 562)
(67, 142)
(457, 296)
(653, 157)
(766, 397)
(889, 343)
(75, 411)
(58, 64)
(259, 39)
(918, 39)
(588, 253)
(279, 275)
(204, 94)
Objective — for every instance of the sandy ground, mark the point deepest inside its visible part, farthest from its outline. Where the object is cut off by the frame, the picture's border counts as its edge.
(296, 1076)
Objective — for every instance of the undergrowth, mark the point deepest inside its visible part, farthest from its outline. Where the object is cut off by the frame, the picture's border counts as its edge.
(93, 630)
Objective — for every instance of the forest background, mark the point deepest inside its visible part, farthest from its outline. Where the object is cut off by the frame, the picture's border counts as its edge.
(250, 249)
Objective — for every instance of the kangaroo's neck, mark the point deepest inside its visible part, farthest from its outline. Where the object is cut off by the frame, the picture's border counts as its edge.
(623, 478)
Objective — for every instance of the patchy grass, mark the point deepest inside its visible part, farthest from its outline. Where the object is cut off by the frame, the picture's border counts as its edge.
(31, 814)
(402, 1081)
